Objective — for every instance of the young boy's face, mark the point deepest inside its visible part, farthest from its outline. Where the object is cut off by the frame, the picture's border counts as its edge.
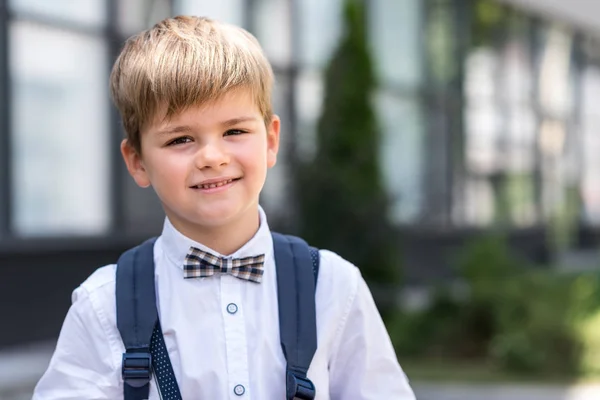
(207, 164)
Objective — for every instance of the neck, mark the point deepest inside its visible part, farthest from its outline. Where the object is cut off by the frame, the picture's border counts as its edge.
(225, 239)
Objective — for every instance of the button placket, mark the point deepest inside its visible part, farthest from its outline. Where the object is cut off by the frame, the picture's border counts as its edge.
(235, 337)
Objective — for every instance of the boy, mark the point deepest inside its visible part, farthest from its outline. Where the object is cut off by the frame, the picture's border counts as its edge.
(195, 99)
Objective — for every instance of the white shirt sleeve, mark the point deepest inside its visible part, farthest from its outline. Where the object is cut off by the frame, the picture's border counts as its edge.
(364, 364)
(81, 367)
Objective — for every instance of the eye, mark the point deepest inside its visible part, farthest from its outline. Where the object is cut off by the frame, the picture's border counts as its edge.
(235, 132)
(180, 140)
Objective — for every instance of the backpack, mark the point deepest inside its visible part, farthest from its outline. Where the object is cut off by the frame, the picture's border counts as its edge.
(297, 267)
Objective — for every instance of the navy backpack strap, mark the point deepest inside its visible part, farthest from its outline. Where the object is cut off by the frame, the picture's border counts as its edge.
(296, 281)
(136, 317)
(137, 321)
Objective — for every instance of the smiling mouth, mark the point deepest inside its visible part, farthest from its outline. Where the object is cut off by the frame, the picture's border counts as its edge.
(215, 184)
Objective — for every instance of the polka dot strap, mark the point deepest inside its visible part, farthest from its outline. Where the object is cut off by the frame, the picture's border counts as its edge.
(315, 258)
(161, 364)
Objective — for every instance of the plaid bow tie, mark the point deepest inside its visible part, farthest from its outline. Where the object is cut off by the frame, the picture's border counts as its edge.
(200, 264)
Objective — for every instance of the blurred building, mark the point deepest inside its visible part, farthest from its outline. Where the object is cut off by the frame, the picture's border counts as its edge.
(486, 108)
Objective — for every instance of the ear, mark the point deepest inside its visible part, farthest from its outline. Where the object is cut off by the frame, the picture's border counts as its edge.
(273, 140)
(135, 165)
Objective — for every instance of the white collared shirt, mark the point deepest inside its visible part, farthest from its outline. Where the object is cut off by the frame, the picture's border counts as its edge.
(214, 349)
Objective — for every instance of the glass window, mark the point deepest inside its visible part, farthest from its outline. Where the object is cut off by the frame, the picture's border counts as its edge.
(272, 27)
(319, 29)
(479, 202)
(60, 131)
(555, 97)
(440, 41)
(482, 113)
(402, 131)
(230, 11)
(89, 12)
(555, 92)
(520, 125)
(137, 15)
(590, 124)
(500, 129)
(309, 102)
(396, 40)
(483, 135)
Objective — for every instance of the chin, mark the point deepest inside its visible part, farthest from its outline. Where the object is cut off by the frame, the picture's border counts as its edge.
(212, 215)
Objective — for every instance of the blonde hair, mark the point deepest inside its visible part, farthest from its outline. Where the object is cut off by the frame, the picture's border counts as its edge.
(182, 62)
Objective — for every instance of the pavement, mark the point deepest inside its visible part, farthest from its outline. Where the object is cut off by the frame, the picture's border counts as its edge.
(21, 368)
(455, 391)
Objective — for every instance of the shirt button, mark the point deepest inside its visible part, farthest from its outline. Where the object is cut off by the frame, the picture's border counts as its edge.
(232, 309)
(239, 390)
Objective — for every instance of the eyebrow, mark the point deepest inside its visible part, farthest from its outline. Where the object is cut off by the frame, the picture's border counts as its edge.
(176, 129)
(186, 128)
(238, 120)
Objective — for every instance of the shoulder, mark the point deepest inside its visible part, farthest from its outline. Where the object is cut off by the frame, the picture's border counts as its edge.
(96, 296)
(334, 266)
(101, 280)
(100, 288)
(338, 278)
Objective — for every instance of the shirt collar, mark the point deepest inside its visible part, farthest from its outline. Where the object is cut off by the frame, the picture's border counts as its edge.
(176, 246)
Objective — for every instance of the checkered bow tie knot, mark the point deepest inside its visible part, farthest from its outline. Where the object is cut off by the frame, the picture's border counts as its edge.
(201, 264)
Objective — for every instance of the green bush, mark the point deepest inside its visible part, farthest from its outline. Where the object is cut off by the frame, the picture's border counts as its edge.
(428, 333)
(488, 269)
(525, 321)
(585, 319)
(535, 332)
(588, 331)
(550, 324)
(461, 328)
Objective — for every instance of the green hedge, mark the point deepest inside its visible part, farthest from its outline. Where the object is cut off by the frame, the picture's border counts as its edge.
(523, 320)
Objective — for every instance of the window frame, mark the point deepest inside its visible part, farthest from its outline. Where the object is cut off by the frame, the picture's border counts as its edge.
(5, 122)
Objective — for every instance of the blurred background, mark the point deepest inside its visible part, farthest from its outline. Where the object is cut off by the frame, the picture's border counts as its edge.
(449, 148)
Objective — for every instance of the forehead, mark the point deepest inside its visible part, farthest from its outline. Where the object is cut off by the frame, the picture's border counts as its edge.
(230, 105)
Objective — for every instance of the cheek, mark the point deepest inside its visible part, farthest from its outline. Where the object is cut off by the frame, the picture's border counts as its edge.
(251, 155)
(256, 161)
(169, 170)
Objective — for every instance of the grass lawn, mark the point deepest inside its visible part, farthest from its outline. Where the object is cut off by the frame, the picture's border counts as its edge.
(473, 372)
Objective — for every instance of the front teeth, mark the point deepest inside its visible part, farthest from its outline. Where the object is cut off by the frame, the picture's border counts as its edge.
(214, 185)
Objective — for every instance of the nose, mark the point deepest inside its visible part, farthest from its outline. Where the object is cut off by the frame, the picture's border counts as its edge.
(212, 155)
